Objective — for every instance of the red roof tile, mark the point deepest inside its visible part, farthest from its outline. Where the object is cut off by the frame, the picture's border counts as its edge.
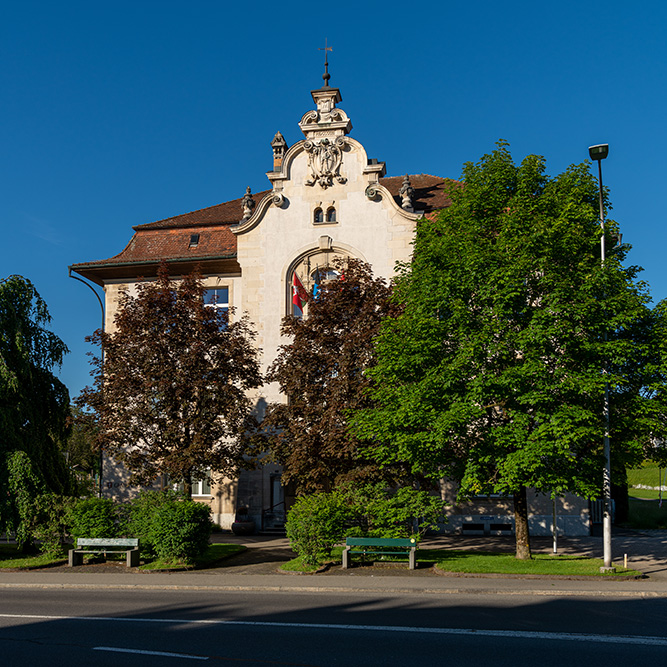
(430, 191)
(229, 212)
(169, 239)
(157, 244)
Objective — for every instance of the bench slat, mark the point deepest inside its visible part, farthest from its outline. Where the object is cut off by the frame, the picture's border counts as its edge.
(380, 542)
(118, 542)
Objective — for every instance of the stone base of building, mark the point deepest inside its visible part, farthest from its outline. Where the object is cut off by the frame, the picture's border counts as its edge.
(540, 525)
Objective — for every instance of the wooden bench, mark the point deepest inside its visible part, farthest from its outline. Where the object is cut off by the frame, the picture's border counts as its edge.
(105, 545)
(380, 546)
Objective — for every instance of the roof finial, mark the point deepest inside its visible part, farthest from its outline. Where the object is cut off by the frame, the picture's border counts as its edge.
(326, 76)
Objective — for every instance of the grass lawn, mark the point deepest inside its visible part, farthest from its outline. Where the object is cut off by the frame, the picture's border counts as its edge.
(504, 563)
(646, 493)
(211, 557)
(647, 513)
(297, 565)
(11, 557)
(475, 562)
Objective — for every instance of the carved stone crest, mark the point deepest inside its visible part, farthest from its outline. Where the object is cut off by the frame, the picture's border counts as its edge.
(324, 159)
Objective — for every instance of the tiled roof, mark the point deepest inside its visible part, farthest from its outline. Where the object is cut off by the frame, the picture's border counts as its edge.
(229, 212)
(429, 196)
(430, 191)
(155, 244)
(169, 239)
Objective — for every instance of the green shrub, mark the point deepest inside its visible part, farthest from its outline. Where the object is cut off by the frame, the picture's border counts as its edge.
(93, 517)
(180, 530)
(315, 523)
(140, 517)
(403, 512)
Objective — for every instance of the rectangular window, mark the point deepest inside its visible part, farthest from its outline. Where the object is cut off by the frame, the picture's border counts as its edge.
(201, 487)
(218, 298)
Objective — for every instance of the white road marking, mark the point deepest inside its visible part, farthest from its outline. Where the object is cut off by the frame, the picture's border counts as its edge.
(513, 634)
(142, 652)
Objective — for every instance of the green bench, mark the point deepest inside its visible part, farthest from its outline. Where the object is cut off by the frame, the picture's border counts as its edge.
(380, 546)
(105, 545)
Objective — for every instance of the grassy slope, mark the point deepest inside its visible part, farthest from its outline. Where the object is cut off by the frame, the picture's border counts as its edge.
(646, 475)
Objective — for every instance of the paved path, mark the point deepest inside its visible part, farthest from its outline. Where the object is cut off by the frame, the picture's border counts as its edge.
(257, 569)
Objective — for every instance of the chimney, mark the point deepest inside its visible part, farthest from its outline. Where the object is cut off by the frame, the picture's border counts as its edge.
(279, 146)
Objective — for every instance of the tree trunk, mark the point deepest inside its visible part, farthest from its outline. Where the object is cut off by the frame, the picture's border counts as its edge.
(187, 484)
(521, 524)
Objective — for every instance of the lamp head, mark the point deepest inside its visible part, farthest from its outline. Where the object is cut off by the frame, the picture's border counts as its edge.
(598, 152)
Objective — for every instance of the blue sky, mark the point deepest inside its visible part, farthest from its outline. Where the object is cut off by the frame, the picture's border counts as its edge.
(117, 114)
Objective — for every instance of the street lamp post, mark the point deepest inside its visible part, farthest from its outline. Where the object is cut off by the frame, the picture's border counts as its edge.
(92, 289)
(599, 153)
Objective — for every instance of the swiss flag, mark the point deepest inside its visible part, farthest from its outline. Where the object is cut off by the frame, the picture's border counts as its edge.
(299, 294)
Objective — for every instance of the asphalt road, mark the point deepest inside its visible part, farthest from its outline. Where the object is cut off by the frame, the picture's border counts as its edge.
(184, 627)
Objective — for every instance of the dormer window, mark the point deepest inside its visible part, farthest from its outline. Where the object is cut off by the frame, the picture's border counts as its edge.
(331, 214)
(318, 216)
(194, 240)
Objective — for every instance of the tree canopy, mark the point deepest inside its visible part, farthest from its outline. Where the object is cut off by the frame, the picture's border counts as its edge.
(34, 403)
(493, 372)
(170, 391)
(322, 373)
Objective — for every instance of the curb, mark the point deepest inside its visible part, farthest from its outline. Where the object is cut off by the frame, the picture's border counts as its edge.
(343, 589)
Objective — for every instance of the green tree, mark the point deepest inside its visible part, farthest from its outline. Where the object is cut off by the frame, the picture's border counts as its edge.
(34, 404)
(79, 450)
(654, 416)
(321, 371)
(171, 396)
(492, 374)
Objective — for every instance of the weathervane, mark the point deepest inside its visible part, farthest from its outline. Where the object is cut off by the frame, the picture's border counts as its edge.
(326, 76)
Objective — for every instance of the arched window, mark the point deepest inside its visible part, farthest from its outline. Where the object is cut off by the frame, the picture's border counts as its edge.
(308, 275)
(331, 214)
(318, 216)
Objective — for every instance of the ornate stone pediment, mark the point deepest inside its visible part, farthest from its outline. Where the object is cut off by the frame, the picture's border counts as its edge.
(325, 115)
(324, 160)
(326, 119)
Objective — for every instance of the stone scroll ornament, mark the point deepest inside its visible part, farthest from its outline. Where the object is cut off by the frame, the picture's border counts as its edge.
(324, 160)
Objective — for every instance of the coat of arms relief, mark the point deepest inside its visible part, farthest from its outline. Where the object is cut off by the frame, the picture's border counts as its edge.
(324, 159)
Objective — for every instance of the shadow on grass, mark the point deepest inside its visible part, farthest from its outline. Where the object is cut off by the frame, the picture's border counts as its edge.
(647, 514)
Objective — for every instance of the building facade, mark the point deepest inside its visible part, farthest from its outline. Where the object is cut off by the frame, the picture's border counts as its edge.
(327, 199)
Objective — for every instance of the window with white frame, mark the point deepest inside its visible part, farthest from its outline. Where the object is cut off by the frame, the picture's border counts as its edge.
(218, 298)
(202, 487)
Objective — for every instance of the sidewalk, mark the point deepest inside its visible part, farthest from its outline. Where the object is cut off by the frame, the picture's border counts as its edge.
(257, 570)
